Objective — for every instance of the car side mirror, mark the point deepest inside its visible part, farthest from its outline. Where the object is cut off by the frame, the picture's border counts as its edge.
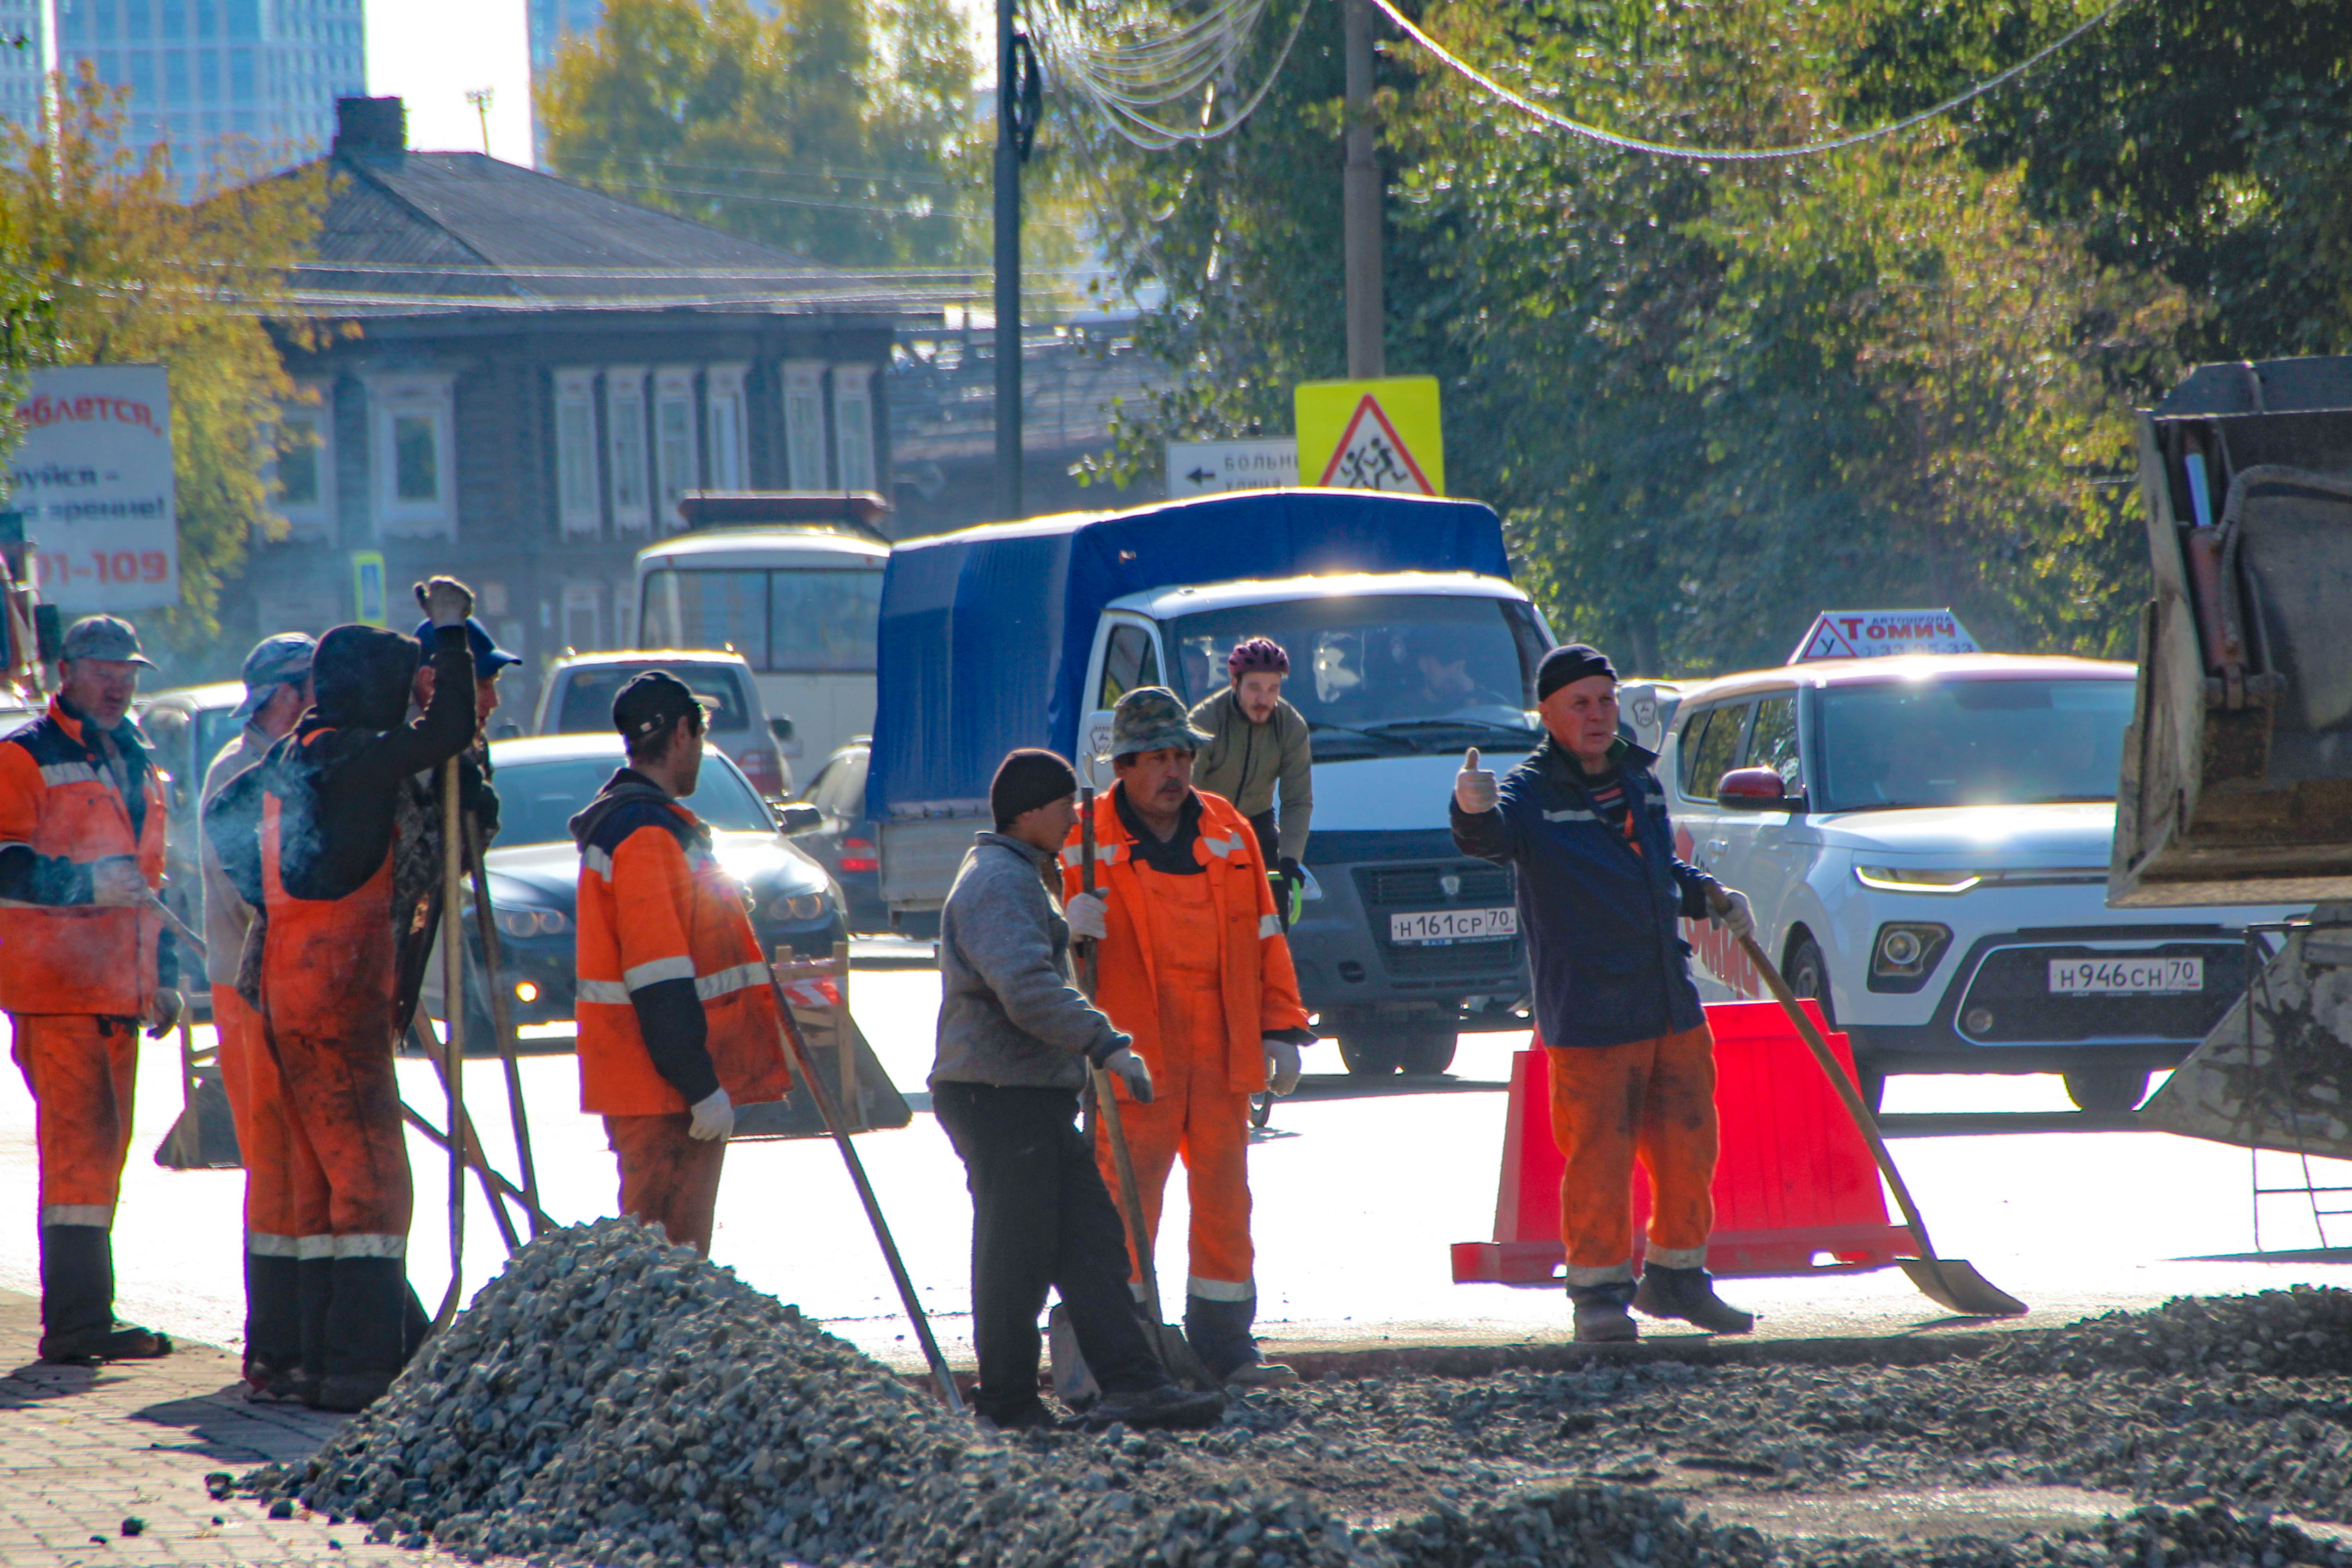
(800, 817)
(781, 726)
(1756, 789)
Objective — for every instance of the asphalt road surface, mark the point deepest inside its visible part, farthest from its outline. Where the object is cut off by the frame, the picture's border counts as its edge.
(1357, 1199)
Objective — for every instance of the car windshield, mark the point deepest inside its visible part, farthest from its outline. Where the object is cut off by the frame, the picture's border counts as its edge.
(1383, 673)
(1970, 743)
(589, 690)
(537, 800)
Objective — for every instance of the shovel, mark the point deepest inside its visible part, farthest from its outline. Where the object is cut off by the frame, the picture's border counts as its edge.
(1176, 1356)
(1948, 1283)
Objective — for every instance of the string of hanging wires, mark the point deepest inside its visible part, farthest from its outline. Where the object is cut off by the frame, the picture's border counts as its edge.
(1134, 67)
(1143, 70)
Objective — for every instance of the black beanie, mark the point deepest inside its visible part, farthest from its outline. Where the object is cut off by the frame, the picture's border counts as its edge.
(1569, 663)
(1026, 779)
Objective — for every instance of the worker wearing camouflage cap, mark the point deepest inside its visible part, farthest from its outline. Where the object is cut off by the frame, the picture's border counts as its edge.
(1192, 963)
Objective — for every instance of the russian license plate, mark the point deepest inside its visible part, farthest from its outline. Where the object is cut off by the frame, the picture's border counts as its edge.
(2124, 976)
(1432, 927)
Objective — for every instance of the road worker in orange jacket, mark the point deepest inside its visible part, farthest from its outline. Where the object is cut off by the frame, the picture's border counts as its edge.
(328, 798)
(285, 1190)
(677, 1015)
(1192, 963)
(82, 965)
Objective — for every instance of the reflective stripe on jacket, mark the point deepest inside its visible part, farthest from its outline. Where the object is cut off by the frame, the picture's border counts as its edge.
(655, 905)
(1261, 988)
(57, 800)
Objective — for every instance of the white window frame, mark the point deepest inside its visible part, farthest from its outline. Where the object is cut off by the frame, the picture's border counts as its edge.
(678, 457)
(731, 467)
(803, 415)
(626, 447)
(393, 398)
(853, 427)
(579, 474)
(582, 597)
(315, 519)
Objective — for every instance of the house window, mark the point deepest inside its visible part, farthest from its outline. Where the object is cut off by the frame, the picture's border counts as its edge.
(624, 420)
(302, 475)
(413, 455)
(582, 621)
(675, 456)
(728, 471)
(853, 425)
(578, 500)
(804, 425)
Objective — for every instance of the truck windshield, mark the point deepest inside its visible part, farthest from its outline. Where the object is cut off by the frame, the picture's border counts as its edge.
(1385, 673)
(1970, 743)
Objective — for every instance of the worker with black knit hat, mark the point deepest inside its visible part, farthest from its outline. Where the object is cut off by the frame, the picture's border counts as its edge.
(1583, 821)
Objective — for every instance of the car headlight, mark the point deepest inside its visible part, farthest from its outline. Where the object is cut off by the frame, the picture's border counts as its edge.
(797, 908)
(524, 921)
(1915, 879)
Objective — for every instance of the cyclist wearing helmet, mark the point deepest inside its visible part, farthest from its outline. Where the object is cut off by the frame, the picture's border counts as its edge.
(1257, 743)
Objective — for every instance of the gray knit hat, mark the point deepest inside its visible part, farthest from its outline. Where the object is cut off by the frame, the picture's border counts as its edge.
(1152, 718)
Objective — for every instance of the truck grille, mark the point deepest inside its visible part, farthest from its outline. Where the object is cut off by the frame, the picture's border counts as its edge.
(2012, 984)
(1388, 890)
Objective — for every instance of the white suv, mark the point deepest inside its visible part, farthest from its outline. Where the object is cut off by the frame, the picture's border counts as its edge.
(1924, 839)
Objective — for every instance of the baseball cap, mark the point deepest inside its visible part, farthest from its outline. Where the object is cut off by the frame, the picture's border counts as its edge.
(653, 701)
(279, 661)
(103, 637)
(488, 658)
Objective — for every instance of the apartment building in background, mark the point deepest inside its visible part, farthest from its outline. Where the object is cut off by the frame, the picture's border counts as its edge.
(221, 82)
(20, 63)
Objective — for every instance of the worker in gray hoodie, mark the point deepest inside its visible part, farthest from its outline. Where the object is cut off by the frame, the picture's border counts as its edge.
(1015, 1038)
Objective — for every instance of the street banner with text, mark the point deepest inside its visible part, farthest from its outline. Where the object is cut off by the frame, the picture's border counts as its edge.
(92, 475)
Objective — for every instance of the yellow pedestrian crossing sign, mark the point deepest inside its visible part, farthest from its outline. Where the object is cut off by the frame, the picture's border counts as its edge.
(1372, 436)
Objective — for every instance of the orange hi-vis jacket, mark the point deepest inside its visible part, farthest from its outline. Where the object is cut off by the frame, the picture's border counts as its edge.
(1261, 988)
(57, 799)
(655, 905)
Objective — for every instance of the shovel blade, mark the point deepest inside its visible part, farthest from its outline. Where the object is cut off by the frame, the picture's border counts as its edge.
(1183, 1362)
(1958, 1287)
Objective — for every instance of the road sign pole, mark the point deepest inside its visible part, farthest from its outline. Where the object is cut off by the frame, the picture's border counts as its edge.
(1008, 270)
(1360, 191)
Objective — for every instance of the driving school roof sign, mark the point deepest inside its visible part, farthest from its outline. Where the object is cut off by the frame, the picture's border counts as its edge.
(1875, 634)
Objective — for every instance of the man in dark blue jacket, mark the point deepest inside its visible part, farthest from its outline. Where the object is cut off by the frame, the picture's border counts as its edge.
(1633, 1066)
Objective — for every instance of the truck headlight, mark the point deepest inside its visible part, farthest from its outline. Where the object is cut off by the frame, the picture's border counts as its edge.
(1908, 950)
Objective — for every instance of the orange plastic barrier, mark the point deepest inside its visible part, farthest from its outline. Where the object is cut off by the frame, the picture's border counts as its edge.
(1795, 1189)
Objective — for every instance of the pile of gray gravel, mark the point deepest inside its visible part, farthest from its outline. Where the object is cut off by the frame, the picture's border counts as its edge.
(610, 1399)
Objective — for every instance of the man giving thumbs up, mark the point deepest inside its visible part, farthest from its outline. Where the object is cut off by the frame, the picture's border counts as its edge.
(1599, 892)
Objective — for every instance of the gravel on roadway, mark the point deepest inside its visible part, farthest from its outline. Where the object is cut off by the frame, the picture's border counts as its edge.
(611, 1399)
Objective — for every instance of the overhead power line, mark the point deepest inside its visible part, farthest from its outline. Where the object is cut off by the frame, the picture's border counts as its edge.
(1733, 155)
(1188, 67)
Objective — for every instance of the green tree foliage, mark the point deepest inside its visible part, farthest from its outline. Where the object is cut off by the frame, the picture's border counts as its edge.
(134, 275)
(839, 129)
(1710, 398)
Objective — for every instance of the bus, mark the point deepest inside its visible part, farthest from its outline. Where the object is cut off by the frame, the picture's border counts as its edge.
(800, 603)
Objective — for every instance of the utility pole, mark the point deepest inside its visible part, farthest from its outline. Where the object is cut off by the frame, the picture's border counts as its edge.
(1009, 504)
(1360, 189)
(479, 97)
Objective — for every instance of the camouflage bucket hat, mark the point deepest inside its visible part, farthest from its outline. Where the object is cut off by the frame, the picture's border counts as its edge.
(1152, 718)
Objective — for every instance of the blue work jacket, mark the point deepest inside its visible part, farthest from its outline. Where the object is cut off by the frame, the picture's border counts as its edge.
(1600, 922)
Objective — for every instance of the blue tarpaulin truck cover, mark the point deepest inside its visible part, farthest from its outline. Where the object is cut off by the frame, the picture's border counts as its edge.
(985, 634)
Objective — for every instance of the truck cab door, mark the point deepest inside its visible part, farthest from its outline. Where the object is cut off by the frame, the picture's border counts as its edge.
(1125, 655)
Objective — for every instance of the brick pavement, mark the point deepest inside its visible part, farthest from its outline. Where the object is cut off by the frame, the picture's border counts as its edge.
(83, 1448)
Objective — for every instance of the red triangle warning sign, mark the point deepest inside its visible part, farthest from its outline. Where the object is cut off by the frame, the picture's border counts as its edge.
(1371, 456)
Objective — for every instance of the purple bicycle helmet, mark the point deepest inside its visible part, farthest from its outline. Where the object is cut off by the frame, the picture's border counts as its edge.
(1257, 654)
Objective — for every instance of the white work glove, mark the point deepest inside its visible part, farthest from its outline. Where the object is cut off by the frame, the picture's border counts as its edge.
(115, 882)
(1734, 915)
(1281, 1064)
(1473, 787)
(164, 1012)
(713, 1117)
(1129, 1067)
(444, 600)
(1090, 916)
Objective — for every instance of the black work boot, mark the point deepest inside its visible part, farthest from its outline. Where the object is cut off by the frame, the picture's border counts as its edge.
(1165, 1406)
(273, 1326)
(1219, 1332)
(1601, 1316)
(314, 1290)
(1688, 1295)
(78, 1301)
(366, 1332)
